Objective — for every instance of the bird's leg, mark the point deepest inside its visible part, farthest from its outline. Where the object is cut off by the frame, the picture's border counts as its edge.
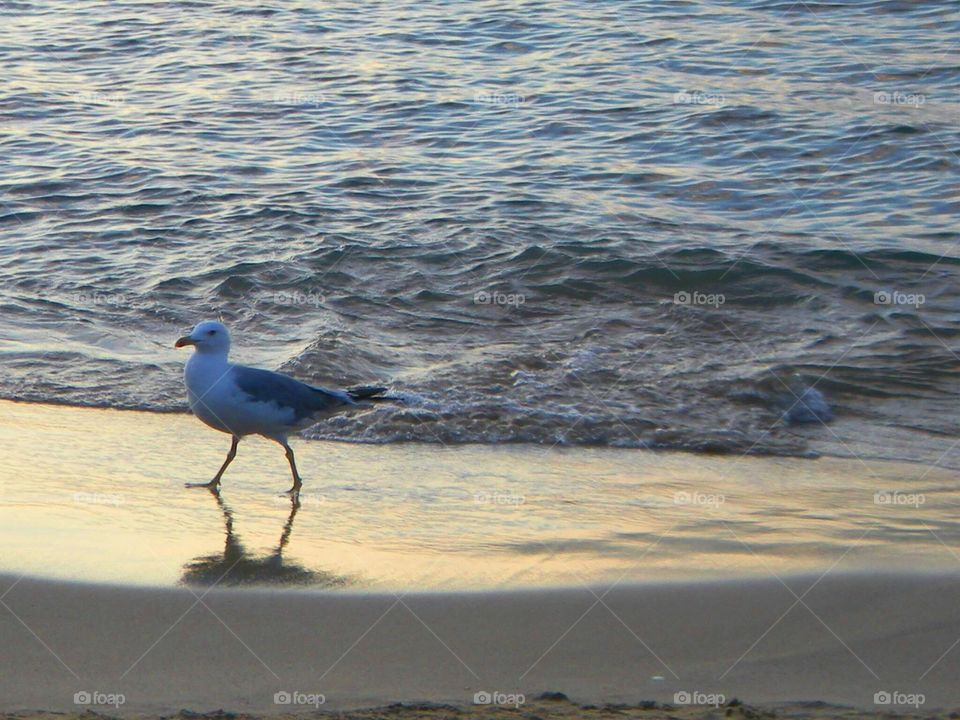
(215, 483)
(231, 454)
(297, 481)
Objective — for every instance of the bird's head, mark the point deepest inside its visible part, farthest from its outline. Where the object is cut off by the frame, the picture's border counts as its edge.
(208, 336)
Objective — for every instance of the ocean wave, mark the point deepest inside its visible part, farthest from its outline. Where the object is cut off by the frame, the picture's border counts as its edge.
(707, 233)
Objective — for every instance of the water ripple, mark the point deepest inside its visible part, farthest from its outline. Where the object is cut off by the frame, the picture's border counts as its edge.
(615, 224)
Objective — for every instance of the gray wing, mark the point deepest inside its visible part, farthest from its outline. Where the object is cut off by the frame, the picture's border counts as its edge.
(305, 400)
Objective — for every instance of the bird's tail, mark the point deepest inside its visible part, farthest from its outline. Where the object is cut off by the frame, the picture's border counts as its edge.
(371, 393)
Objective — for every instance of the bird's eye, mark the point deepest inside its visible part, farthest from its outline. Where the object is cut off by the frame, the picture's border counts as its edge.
(211, 332)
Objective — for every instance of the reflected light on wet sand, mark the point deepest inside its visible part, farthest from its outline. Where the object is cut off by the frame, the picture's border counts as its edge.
(98, 495)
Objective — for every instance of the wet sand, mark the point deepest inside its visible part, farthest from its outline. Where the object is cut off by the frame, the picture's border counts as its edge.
(844, 640)
(430, 575)
(98, 496)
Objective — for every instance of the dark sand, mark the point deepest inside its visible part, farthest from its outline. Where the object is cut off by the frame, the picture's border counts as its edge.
(168, 650)
(552, 710)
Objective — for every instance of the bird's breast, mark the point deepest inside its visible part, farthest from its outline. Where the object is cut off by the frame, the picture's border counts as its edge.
(209, 388)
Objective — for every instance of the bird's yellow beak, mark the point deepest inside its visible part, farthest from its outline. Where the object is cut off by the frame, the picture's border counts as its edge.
(184, 341)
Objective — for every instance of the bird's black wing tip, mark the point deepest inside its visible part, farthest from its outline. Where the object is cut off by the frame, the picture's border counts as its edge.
(366, 392)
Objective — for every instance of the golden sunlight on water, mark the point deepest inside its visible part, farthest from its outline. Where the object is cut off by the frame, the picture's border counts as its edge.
(99, 496)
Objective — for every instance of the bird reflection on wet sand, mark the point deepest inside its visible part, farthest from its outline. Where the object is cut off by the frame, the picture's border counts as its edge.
(236, 566)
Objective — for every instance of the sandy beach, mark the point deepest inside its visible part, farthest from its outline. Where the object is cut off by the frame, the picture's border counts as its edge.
(799, 594)
(840, 641)
(555, 708)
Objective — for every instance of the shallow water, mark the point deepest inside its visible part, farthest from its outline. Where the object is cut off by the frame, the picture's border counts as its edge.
(498, 211)
(416, 517)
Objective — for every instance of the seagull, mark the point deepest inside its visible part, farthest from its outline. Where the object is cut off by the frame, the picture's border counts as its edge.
(242, 401)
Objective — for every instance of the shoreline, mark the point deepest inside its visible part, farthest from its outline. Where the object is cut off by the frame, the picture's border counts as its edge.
(818, 451)
(167, 650)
